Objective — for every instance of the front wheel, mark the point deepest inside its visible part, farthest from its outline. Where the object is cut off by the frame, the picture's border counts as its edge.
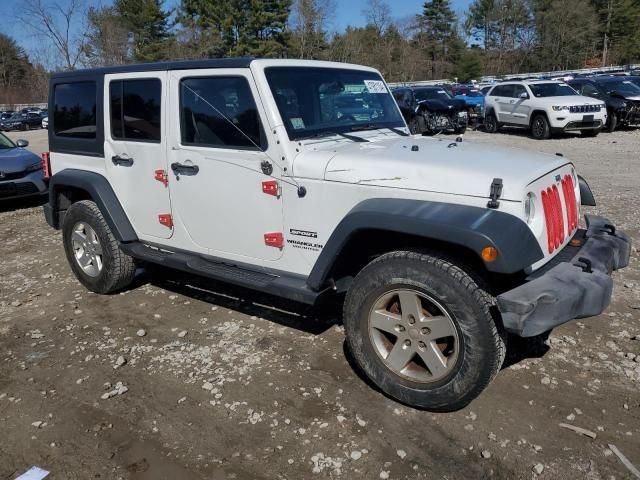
(93, 252)
(612, 122)
(422, 330)
(540, 128)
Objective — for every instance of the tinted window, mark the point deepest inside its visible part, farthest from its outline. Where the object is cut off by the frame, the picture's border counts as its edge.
(135, 109)
(589, 90)
(552, 90)
(74, 114)
(518, 90)
(502, 91)
(219, 112)
(432, 94)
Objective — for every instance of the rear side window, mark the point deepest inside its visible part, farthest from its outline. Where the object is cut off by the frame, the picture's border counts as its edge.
(74, 111)
(136, 109)
(219, 112)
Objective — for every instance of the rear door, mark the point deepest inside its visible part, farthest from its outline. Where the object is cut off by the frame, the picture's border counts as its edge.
(502, 102)
(520, 107)
(136, 150)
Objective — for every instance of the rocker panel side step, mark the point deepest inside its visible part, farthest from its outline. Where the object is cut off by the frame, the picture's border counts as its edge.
(291, 287)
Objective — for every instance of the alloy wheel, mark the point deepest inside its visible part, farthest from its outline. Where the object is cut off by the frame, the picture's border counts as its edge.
(414, 335)
(87, 249)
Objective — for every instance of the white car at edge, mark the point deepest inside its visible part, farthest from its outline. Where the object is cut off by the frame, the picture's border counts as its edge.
(545, 107)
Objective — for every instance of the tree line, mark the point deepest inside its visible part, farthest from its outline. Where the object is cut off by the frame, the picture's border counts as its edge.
(493, 37)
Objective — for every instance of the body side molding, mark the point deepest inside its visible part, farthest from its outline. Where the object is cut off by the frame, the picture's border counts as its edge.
(470, 227)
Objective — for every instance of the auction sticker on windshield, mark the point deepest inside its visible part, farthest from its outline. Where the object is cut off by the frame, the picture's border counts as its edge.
(297, 123)
(375, 86)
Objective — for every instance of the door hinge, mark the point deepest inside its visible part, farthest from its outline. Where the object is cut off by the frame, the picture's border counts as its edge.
(166, 220)
(274, 239)
(271, 187)
(496, 191)
(162, 177)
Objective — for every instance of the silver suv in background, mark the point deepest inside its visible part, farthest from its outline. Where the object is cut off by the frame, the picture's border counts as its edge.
(544, 107)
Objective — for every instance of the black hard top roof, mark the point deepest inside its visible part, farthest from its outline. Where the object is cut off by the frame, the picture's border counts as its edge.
(242, 62)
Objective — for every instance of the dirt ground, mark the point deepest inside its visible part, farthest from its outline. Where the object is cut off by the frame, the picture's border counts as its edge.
(224, 383)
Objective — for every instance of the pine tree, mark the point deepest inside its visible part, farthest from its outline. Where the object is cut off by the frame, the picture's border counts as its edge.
(148, 26)
(438, 25)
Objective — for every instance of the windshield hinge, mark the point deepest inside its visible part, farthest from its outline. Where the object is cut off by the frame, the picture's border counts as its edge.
(496, 191)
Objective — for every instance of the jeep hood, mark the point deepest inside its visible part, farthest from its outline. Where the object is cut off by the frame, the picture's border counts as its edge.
(427, 164)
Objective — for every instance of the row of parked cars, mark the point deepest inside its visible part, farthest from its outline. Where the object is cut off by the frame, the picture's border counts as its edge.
(25, 119)
(545, 107)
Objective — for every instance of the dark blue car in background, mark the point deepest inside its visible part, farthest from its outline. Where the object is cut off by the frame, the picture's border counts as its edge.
(21, 173)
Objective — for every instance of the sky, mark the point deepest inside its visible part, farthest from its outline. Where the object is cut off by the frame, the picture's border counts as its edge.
(349, 12)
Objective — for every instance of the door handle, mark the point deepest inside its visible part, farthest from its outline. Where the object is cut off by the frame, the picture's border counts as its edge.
(181, 168)
(124, 162)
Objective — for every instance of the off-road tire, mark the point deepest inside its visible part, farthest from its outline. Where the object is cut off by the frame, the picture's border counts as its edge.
(118, 269)
(481, 348)
(491, 123)
(540, 128)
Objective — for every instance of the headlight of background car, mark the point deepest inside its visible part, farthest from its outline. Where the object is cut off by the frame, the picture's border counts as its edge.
(559, 108)
(34, 167)
(529, 207)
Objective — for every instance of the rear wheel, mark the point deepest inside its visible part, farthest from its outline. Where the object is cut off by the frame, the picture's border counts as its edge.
(540, 128)
(93, 252)
(422, 330)
(491, 123)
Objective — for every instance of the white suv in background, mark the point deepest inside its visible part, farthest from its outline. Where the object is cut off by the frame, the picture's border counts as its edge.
(545, 107)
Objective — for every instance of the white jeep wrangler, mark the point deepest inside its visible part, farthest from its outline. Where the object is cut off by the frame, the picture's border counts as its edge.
(544, 107)
(299, 179)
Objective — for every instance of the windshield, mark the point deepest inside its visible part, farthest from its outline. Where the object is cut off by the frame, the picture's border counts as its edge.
(16, 116)
(432, 94)
(625, 87)
(5, 142)
(552, 90)
(314, 101)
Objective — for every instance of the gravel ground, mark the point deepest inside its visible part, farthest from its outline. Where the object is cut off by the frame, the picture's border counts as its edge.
(184, 378)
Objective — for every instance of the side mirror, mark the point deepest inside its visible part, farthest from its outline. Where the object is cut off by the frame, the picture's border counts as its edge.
(524, 96)
(22, 143)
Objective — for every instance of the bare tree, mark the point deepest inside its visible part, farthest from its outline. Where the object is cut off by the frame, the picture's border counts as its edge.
(60, 22)
(310, 21)
(378, 14)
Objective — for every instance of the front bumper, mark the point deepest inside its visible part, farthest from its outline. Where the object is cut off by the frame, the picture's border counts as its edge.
(31, 184)
(577, 288)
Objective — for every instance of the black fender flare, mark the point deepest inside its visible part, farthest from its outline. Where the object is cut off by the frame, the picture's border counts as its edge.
(471, 227)
(586, 195)
(100, 191)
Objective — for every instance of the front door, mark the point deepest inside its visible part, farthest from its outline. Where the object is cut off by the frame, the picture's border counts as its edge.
(220, 158)
(136, 149)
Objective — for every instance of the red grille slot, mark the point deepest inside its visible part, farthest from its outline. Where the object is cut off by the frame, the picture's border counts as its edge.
(553, 217)
(570, 201)
(559, 220)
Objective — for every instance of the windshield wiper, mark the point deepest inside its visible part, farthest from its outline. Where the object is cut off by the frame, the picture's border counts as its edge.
(331, 134)
(370, 126)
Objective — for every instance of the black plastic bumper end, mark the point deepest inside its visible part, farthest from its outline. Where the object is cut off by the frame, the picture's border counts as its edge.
(576, 289)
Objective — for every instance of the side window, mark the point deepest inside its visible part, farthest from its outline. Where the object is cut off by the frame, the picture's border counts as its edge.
(518, 90)
(136, 109)
(219, 112)
(589, 90)
(500, 91)
(74, 110)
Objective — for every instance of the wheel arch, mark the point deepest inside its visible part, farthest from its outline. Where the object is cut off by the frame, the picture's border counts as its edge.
(71, 185)
(401, 223)
(535, 112)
